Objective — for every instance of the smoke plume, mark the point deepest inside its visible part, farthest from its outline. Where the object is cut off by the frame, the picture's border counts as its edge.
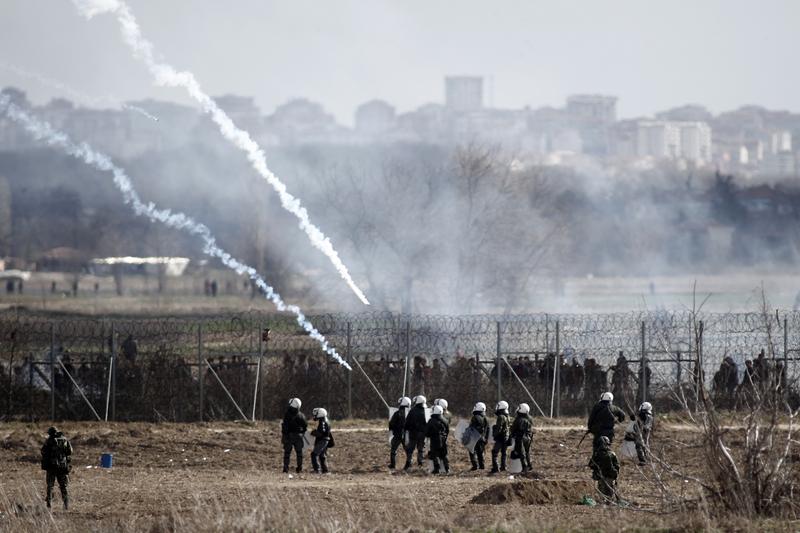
(167, 75)
(43, 131)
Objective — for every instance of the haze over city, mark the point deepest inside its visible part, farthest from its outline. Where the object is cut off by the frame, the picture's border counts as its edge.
(653, 56)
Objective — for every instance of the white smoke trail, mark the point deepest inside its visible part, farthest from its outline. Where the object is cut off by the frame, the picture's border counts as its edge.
(73, 93)
(166, 74)
(43, 131)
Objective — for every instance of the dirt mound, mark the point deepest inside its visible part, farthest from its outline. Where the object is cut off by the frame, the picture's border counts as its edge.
(536, 492)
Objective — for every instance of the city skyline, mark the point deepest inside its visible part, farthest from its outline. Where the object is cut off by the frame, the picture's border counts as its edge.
(652, 58)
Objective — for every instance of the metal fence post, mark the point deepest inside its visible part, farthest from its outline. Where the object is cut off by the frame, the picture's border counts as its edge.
(262, 371)
(476, 377)
(557, 370)
(643, 366)
(52, 371)
(499, 366)
(784, 379)
(200, 368)
(408, 356)
(114, 373)
(350, 373)
(30, 388)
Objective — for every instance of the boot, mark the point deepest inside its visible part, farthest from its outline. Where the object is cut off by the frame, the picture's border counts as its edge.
(285, 469)
(408, 464)
(446, 464)
(480, 462)
(323, 462)
(66, 503)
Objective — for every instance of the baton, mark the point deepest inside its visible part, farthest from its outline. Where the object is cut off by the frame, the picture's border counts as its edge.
(581, 441)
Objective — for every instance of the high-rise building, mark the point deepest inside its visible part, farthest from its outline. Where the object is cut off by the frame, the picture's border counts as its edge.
(463, 93)
(597, 108)
(673, 140)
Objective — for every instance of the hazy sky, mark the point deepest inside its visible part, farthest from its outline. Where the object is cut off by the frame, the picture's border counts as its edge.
(653, 55)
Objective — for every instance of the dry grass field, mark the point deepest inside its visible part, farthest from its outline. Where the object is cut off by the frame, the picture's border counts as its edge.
(226, 477)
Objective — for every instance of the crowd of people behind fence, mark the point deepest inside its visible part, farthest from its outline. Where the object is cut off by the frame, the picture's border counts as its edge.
(165, 385)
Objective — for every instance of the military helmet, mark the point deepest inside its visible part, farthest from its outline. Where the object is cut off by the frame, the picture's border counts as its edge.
(52, 430)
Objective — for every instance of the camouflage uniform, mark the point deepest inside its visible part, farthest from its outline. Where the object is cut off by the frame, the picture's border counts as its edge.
(481, 425)
(522, 433)
(605, 469)
(293, 427)
(501, 433)
(643, 426)
(56, 461)
(602, 419)
(396, 425)
(437, 431)
(416, 425)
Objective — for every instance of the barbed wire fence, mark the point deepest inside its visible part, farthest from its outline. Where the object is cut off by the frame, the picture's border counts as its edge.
(220, 367)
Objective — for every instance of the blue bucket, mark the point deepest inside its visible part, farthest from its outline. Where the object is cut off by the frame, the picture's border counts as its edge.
(107, 460)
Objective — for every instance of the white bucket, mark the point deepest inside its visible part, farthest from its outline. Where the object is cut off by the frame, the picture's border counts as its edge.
(628, 450)
(515, 466)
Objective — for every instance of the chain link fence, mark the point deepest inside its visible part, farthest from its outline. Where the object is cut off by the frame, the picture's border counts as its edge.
(221, 368)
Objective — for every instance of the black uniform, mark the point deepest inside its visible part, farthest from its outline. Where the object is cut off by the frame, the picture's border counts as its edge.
(605, 469)
(502, 433)
(522, 433)
(320, 451)
(56, 461)
(481, 425)
(416, 425)
(437, 431)
(643, 427)
(602, 419)
(396, 426)
(292, 429)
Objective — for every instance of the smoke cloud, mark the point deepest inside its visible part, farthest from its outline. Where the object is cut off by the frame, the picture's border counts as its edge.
(43, 131)
(166, 75)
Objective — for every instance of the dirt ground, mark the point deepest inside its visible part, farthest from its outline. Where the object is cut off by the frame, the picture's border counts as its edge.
(224, 476)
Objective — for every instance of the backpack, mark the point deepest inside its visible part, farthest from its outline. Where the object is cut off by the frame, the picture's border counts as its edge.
(59, 453)
(331, 443)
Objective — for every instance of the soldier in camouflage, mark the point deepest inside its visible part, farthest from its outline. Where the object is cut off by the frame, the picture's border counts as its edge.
(56, 461)
(605, 469)
(502, 433)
